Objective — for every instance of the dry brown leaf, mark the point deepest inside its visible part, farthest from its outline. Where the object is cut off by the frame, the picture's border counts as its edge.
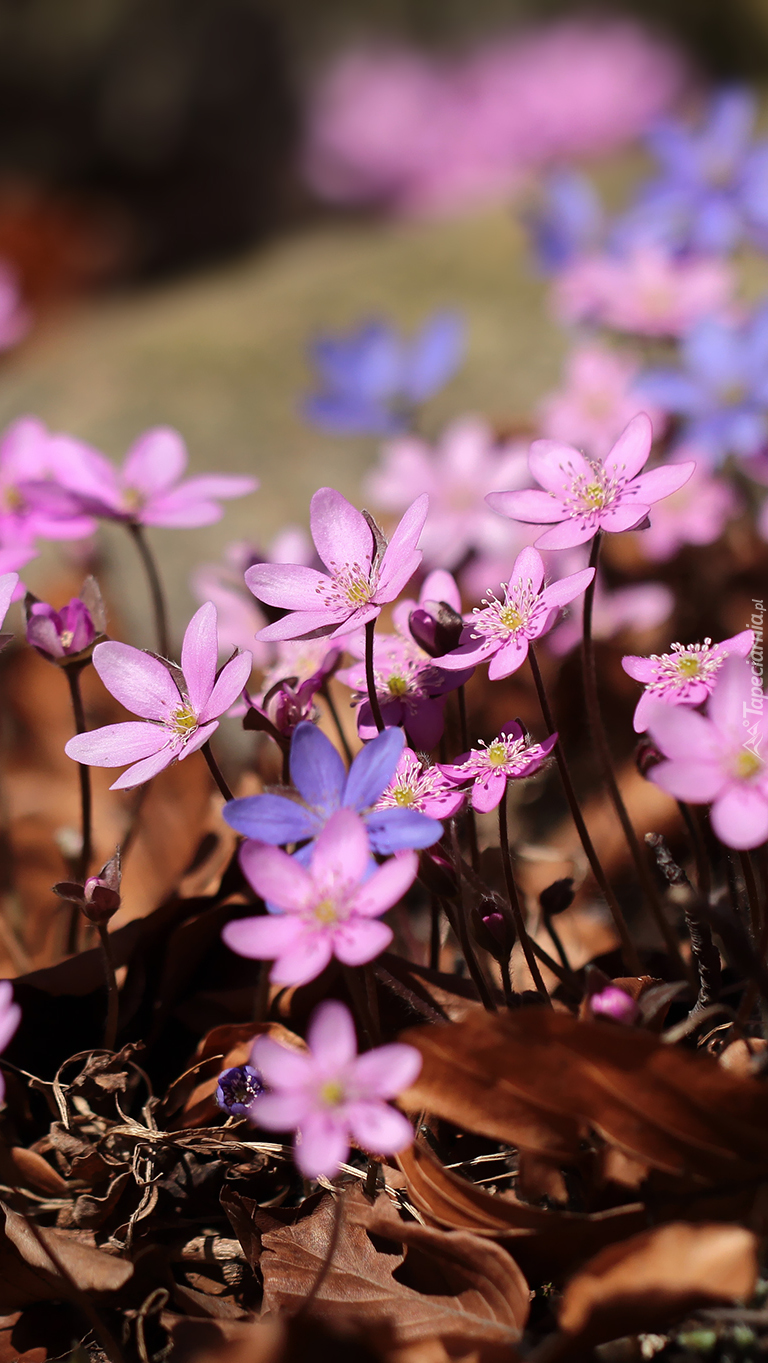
(467, 1292)
(655, 1277)
(28, 1273)
(543, 1081)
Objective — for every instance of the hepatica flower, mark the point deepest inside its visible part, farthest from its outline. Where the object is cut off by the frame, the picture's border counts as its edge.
(502, 629)
(333, 1095)
(328, 908)
(65, 634)
(33, 504)
(720, 758)
(509, 757)
(372, 379)
(646, 291)
(179, 708)
(595, 402)
(686, 676)
(364, 572)
(325, 786)
(410, 688)
(237, 1091)
(582, 497)
(417, 785)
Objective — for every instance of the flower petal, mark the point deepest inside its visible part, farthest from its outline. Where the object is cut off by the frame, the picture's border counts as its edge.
(271, 818)
(401, 557)
(228, 686)
(360, 940)
(155, 461)
(331, 1036)
(631, 451)
(567, 589)
(698, 782)
(556, 467)
(740, 817)
(290, 586)
(679, 733)
(373, 769)
(379, 1128)
(509, 658)
(263, 938)
(387, 885)
(731, 699)
(305, 960)
(199, 656)
(575, 530)
(387, 1070)
(322, 1146)
(149, 767)
(341, 533)
(528, 569)
(341, 855)
(140, 682)
(275, 876)
(529, 505)
(282, 1111)
(317, 770)
(393, 830)
(661, 482)
(488, 791)
(117, 744)
(623, 516)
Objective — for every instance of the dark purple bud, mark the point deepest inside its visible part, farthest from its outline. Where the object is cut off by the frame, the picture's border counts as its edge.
(238, 1090)
(647, 756)
(99, 897)
(436, 628)
(493, 930)
(614, 1003)
(61, 636)
(437, 873)
(557, 897)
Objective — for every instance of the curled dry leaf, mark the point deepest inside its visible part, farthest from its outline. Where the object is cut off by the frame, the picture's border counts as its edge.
(28, 1273)
(544, 1081)
(454, 1286)
(655, 1277)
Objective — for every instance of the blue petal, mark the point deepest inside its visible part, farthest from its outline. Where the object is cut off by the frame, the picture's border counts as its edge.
(392, 830)
(671, 391)
(349, 414)
(373, 769)
(317, 770)
(271, 818)
(435, 355)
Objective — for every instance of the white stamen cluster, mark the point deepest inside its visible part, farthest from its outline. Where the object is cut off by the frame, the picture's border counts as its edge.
(686, 663)
(495, 619)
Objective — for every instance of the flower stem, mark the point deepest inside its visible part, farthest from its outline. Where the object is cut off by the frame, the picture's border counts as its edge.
(434, 933)
(600, 740)
(370, 678)
(325, 692)
(155, 587)
(753, 898)
(474, 852)
(213, 767)
(514, 903)
(86, 802)
(628, 949)
(462, 933)
(113, 995)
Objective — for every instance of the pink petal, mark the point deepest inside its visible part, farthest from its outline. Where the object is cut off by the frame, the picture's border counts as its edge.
(623, 516)
(440, 586)
(529, 568)
(8, 584)
(280, 1111)
(379, 1128)
(740, 817)
(281, 1067)
(355, 621)
(199, 656)
(140, 682)
(741, 644)
(360, 940)
(630, 453)
(305, 960)
(387, 1070)
(508, 659)
(567, 589)
(680, 732)
(323, 1145)
(228, 686)
(215, 487)
(197, 739)
(387, 885)
(693, 780)
(145, 770)
(468, 654)
(396, 573)
(530, 505)
(331, 1036)
(731, 699)
(342, 852)
(155, 461)
(567, 534)
(289, 585)
(644, 711)
(488, 791)
(556, 467)
(305, 624)
(642, 669)
(276, 876)
(661, 482)
(116, 744)
(263, 938)
(402, 558)
(341, 533)
(176, 512)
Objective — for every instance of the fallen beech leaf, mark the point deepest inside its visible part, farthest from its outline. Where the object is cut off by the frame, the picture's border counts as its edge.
(467, 1292)
(29, 1170)
(742, 1056)
(657, 1276)
(28, 1273)
(270, 1341)
(543, 1081)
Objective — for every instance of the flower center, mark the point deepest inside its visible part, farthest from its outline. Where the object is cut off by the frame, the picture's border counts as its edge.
(13, 499)
(133, 500)
(331, 1093)
(594, 496)
(747, 765)
(497, 753)
(397, 685)
(184, 719)
(510, 617)
(498, 619)
(325, 912)
(404, 796)
(686, 663)
(66, 637)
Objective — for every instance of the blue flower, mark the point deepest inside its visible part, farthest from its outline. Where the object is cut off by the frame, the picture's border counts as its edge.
(324, 785)
(567, 223)
(372, 378)
(238, 1089)
(722, 389)
(712, 189)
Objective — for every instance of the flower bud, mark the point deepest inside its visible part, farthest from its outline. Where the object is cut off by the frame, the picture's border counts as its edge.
(557, 897)
(70, 633)
(493, 930)
(99, 898)
(647, 756)
(436, 628)
(614, 1003)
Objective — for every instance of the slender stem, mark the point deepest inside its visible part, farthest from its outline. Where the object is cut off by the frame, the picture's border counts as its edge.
(514, 903)
(600, 740)
(753, 898)
(155, 588)
(506, 983)
(325, 692)
(555, 935)
(628, 949)
(695, 833)
(434, 933)
(113, 994)
(213, 767)
(84, 860)
(474, 852)
(478, 978)
(370, 678)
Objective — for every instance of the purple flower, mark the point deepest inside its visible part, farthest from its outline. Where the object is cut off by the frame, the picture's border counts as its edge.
(583, 497)
(410, 688)
(327, 908)
(372, 380)
(716, 758)
(721, 390)
(179, 708)
(568, 222)
(365, 572)
(67, 633)
(10, 1017)
(290, 701)
(324, 785)
(99, 898)
(435, 620)
(33, 504)
(332, 1095)
(501, 630)
(237, 1091)
(417, 785)
(509, 757)
(149, 489)
(8, 585)
(686, 676)
(614, 1003)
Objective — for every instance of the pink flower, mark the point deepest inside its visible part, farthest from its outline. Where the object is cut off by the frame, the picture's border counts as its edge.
(596, 402)
(15, 318)
(179, 708)
(416, 785)
(583, 497)
(615, 1003)
(149, 488)
(8, 585)
(686, 676)
(239, 615)
(509, 757)
(696, 514)
(466, 464)
(10, 1017)
(360, 580)
(636, 608)
(329, 908)
(648, 291)
(716, 758)
(32, 502)
(502, 630)
(332, 1095)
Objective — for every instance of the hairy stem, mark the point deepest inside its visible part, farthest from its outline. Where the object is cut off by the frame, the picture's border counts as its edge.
(370, 679)
(514, 903)
(113, 994)
(155, 588)
(213, 767)
(462, 933)
(86, 803)
(325, 692)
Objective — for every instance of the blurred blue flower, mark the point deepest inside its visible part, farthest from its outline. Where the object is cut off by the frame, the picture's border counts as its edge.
(567, 222)
(237, 1090)
(712, 189)
(372, 378)
(721, 391)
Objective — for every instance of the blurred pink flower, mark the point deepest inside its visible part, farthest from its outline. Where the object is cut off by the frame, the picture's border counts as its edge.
(638, 608)
(696, 514)
(240, 616)
(15, 317)
(595, 402)
(456, 474)
(615, 1003)
(647, 292)
(10, 1017)
(421, 135)
(32, 502)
